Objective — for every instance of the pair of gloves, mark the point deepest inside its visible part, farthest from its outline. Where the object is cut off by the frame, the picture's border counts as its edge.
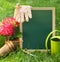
(22, 13)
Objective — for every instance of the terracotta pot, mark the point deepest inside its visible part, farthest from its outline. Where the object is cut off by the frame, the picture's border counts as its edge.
(8, 47)
(18, 42)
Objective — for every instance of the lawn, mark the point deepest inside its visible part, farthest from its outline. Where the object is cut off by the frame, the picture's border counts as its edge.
(7, 9)
(19, 56)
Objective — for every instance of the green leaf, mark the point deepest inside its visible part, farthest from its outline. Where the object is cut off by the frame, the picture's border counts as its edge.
(17, 34)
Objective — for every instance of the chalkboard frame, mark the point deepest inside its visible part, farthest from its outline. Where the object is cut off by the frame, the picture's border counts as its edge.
(53, 22)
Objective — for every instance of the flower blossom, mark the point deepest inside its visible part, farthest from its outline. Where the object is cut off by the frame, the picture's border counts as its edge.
(10, 20)
(7, 29)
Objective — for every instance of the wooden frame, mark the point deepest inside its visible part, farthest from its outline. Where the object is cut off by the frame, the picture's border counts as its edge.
(53, 22)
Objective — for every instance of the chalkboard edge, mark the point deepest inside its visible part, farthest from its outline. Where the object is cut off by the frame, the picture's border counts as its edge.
(43, 8)
(33, 50)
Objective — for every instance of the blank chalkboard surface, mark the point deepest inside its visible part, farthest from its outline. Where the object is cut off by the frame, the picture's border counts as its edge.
(36, 30)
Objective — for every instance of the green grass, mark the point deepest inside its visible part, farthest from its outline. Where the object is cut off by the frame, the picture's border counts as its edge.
(19, 56)
(7, 9)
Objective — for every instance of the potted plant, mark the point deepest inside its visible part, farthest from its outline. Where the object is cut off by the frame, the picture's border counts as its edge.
(9, 28)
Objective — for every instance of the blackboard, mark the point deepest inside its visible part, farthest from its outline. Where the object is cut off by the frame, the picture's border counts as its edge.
(36, 30)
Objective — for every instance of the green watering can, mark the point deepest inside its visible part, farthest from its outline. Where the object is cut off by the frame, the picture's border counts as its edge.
(55, 43)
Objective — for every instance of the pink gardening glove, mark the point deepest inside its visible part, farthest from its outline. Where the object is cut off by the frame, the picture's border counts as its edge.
(22, 13)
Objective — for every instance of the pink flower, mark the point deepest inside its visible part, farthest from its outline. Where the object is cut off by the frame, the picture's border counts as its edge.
(6, 30)
(10, 20)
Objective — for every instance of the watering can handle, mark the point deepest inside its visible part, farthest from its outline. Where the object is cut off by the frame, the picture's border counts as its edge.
(46, 41)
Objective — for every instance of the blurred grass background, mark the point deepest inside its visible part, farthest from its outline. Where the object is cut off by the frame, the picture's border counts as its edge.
(7, 9)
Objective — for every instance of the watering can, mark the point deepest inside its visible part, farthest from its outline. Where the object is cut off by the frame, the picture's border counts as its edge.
(55, 43)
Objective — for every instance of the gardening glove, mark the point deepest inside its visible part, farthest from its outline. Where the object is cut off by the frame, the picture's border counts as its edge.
(22, 13)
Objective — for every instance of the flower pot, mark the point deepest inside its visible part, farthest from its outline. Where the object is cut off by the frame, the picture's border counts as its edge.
(18, 42)
(8, 47)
